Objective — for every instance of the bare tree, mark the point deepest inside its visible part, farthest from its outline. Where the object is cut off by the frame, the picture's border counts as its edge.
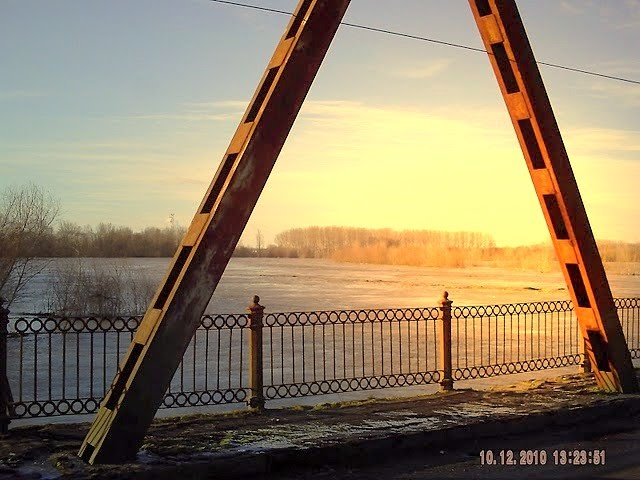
(26, 216)
(259, 242)
(88, 287)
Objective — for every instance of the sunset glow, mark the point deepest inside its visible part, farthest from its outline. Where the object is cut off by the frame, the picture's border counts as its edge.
(395, 133)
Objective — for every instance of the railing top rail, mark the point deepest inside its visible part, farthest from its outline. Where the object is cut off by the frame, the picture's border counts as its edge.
(127, 323)
(325, 317)
(627, 302)
(465, 311)
(44, 323)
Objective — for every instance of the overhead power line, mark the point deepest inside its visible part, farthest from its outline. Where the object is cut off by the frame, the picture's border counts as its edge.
(435, 41)
(255, 7)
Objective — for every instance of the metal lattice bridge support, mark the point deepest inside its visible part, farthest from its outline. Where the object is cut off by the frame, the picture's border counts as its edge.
(172, 318)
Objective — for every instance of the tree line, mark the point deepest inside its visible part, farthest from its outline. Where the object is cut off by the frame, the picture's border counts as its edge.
(108, 240)
(324, 242)
(30, 231)
(68, 239)
(350, 244)
(435, 248)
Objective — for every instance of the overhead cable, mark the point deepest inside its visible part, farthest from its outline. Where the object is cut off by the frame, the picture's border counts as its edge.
(437, 42)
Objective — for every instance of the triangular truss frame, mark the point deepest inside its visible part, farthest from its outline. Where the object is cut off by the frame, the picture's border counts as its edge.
(174, 314)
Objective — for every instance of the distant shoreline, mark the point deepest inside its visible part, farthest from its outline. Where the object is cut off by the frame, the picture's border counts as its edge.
(618, 268)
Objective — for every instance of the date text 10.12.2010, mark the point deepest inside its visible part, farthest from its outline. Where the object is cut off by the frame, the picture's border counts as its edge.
(541, 457)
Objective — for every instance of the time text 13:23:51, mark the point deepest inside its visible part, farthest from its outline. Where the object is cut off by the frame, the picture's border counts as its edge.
(541, 457)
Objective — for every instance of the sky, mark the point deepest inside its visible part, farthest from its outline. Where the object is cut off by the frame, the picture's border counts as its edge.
(123, 111)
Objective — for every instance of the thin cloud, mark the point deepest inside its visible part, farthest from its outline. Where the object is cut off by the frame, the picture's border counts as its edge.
(335, 115)
(187, 117)
(104, 151)
(216, 104)
(626, 95)
(423, 71)
(617, 15)
(608, 141)
(623, 67)
(573, 8)
(71, 146)
(217, 111)
(20, 94)
(632, 19)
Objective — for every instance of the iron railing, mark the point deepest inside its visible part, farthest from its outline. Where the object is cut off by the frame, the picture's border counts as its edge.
(311, 353)
(629, 314)
(64, 365)
(502, 339)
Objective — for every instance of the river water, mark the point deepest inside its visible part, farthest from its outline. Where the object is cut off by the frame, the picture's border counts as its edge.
(286, 284)
(283, 285)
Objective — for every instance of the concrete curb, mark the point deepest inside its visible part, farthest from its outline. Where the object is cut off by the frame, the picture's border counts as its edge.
(603, 417)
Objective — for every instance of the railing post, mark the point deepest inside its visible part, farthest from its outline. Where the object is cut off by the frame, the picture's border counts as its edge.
(586, 363)
(256, 372)
(446, 378)
(5, 390)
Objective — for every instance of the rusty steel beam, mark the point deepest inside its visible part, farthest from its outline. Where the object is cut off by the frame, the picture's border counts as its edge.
(524, 93)
(175, 311)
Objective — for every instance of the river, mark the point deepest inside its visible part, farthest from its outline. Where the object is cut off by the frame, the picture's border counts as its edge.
(283, 285)
(286, 284)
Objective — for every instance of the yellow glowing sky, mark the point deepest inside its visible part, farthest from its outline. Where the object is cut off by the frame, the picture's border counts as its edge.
(408, 169)
(124, 111)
